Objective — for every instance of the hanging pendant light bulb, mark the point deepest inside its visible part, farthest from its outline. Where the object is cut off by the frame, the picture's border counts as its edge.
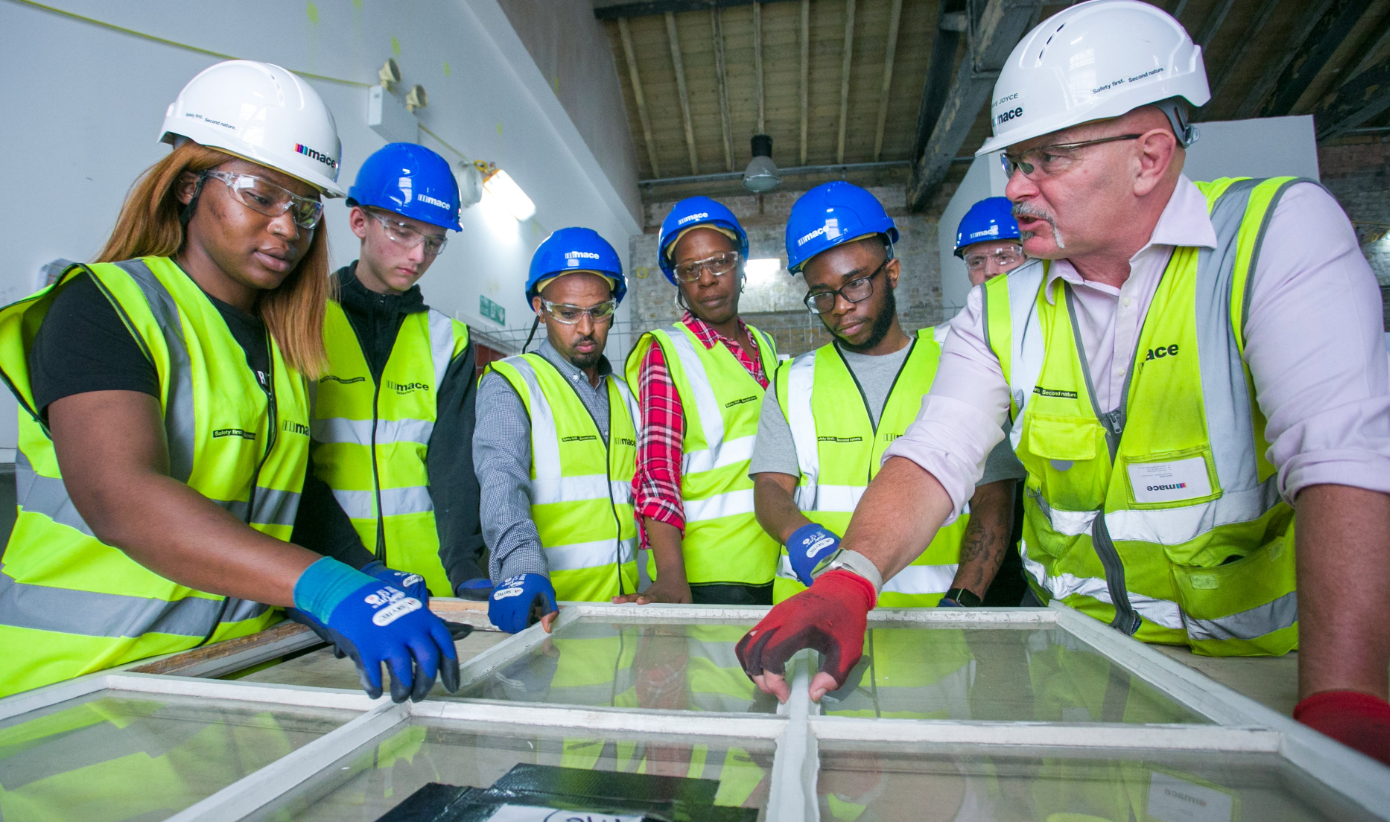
(761, 175)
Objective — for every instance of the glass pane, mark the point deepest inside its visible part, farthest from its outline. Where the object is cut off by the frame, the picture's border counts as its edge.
(660, 664)
(1007, 674)
(883, 782)
(118, 756)
(376, 777)
(319, 669)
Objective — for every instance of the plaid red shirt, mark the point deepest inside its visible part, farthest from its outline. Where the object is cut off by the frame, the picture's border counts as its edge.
(656, 489)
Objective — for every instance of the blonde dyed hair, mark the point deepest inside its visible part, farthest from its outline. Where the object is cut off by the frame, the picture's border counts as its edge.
(149, 226)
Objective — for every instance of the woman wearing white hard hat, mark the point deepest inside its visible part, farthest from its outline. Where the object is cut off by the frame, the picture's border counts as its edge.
(1186, 363)
(164, 413)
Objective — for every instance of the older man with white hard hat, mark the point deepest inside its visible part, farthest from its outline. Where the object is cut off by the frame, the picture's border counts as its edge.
(1187, 364)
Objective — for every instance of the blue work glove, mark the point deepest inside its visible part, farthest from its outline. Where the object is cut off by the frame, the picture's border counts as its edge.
(808, 546)
(413, 584)
(476, 590)
(520, 601)
(949, 603)
(374, 622)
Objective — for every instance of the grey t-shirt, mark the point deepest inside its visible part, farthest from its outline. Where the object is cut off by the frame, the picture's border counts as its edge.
(775, 452)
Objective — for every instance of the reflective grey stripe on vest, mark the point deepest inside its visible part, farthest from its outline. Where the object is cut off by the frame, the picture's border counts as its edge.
(441, 345)
(1158, 611)
(718, 452)
(89, 613)
(1249, 624)
(273, 507)
(45, 495)
(801, 419)
(414, 499)
(550, 486)
(359, 432)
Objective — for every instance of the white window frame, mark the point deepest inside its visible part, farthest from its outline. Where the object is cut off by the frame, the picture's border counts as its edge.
(1240, 725)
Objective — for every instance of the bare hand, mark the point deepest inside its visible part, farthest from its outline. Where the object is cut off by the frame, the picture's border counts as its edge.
(664, 590)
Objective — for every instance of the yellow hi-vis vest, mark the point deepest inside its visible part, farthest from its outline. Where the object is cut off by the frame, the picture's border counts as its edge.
(723, 542)
(370, 440)
(1161, 517)
(839, 451)
(70, 604)
(581, 490)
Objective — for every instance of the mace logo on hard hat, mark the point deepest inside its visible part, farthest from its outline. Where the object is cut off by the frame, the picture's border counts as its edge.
(702, 215)
(315, 155)
(830, 225)
(585, 255)
(434, 201)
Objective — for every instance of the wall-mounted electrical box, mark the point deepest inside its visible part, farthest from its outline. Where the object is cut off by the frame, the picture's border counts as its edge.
(388, 117)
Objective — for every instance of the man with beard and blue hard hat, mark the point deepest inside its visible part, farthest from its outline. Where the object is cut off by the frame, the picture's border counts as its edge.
(988, 240)
(393, 418)
(700, 383)
(556, 454)
(834, 411)
(1183, 381)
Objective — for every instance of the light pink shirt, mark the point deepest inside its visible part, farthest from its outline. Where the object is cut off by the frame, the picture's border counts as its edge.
(1314, 345)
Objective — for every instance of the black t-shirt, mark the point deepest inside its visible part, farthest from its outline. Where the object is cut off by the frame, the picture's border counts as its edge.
(84, 346)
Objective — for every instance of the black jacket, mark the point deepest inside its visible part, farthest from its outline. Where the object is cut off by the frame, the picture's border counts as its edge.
(376, 318)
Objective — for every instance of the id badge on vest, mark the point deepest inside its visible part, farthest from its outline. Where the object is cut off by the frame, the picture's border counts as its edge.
(1175, 481)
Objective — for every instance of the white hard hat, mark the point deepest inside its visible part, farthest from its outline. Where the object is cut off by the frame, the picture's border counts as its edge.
(1096, 60)
(262, 113)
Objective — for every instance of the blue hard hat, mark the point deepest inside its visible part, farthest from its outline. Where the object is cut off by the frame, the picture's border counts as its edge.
(990, 219)
(411, 181)
(691, 212)
(832, 214)
(576, 249)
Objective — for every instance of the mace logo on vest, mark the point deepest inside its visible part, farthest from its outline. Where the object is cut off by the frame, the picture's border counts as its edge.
(1161, 352)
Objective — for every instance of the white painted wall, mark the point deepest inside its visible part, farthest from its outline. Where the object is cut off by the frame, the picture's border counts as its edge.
(1266, 147)
(81, 109)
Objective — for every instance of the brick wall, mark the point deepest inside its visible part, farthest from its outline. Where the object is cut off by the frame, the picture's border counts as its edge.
(1358, 176)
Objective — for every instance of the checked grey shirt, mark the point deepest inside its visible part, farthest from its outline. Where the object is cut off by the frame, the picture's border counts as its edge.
(502, 461)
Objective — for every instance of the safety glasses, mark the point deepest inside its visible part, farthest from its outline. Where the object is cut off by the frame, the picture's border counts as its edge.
(264, 197)
(572, 314)
(718, 265)
(1046, 161)
(409, 237)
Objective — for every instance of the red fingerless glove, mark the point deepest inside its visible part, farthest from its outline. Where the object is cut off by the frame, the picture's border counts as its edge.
(830, 616)
(1355, 719)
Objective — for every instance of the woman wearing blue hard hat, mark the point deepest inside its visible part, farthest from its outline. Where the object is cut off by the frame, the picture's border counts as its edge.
(400, 462)
(556, 444)
(988, 240)
(700, 383)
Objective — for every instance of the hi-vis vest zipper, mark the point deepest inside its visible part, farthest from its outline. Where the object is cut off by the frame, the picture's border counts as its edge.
(723, 542)
(1161, 517)
(581, 488)
(371, 440)
(839, 451)
(69, 604)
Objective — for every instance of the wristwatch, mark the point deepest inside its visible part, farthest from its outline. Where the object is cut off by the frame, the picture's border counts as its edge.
(855, 563)
(967, 598)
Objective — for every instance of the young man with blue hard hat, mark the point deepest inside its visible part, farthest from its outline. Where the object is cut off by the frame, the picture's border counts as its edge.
(1184, 384)
(834, 411)
(556, 456)
(988, 240)
(393, 418)
(700, 383)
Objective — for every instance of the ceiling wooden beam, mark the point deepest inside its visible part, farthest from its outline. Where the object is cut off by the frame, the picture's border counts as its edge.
(942, 62)
(618, 9)
(1357, 100)
(679, 66)
(1281, 57)
(1326, 37)
(629, 54)
(1257, 25)
(717, 32)
(894, 17)
(805, 73)
(844, 79)
(1002, 23)
(758, 65)
(1213, 23)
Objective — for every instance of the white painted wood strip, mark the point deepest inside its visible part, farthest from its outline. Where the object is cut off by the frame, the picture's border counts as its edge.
(39, 698)
(792, 797)
(243, 691)
(1050, 735)
(615, 720)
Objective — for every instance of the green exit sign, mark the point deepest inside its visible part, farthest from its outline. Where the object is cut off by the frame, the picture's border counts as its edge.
(492, 310)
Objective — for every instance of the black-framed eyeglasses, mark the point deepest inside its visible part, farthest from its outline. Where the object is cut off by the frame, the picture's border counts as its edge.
(855, 291)
(272, 200)
(1045, 161)
(407, 236)
(572, 314)
(718, 265)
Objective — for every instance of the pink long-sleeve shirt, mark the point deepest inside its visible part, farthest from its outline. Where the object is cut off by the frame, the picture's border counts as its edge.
(1314, 345)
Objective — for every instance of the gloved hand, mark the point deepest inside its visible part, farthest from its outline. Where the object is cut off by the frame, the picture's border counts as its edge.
(413, 584)
(808, 546)
(1355, 719)
(373, 622)
(830, 616)
(949, 603)
(520, 601)
(476, 590)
